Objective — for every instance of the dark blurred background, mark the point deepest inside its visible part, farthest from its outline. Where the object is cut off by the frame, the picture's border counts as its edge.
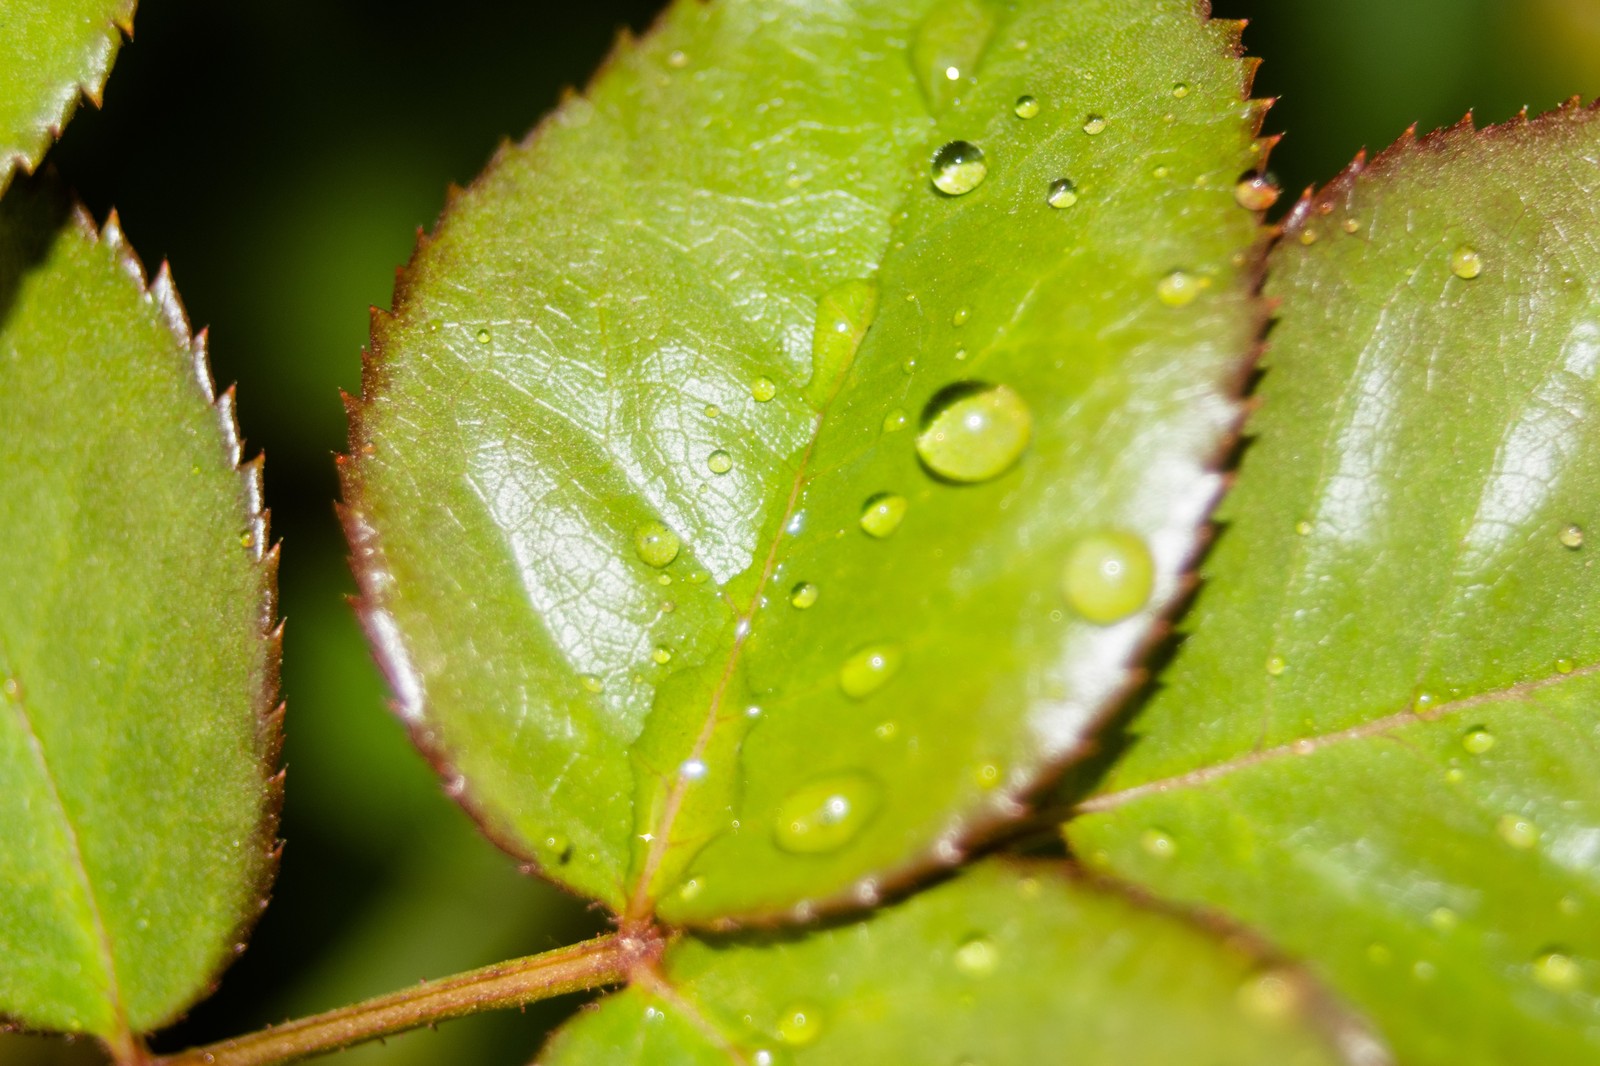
(281, 156)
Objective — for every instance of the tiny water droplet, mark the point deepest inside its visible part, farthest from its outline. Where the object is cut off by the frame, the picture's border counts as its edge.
(1276, 665)
(1109, 576)
(1352, 225)
(961, 355)
(662, 655)
(1180, 90)
(974, 432)
(1308, 236)
(677, 59)
(1572, 537)
(803, 595)
(712, 410)
(958, 168)
(592, 683)
(1565, 666)
(1466, 263)
(763, 389)
(1181, 288)
(1256, 192)
(1063, 194)
(800, 1024)
(987, 776)
(693, 770)
(1271, 996)
(691, 888)
(977, 957)
(1443, 919)
(656, 545)
(869, 669)
(1303, 528)
(483, 336)
(1158, 844)
(1518, 831)
(435, 324)
(719, 462)
(886, 730)
(882, 514)
(1558, 971)
(1027, 107)
(1094, 125)
(1478, 741)
(825, 815)
(959, 319)
(894, 421)
(844, 314)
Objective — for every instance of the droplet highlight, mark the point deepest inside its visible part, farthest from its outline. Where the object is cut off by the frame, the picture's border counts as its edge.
(869, 669)
(974, 432)
(1109, 576)
(882, 514)
(958, 168)
(827, 814)
(1558, 971)
(894, 421)
(656, 545)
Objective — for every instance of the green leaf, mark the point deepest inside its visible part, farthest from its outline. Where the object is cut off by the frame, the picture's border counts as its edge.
(1009, 963)
(136, 666)
(1379, 746)
(51, 52)
(698, 604)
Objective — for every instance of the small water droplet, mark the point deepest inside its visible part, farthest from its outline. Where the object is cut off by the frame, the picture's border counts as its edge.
(958, 168)
(1027, 107)
(1158, 844)
(1443, 919)
(800, 1024)
(1256, 192)
(592, 683)
(1180, 90)
(977, 957)
(1572, 537)
(886, 730)
(1454, 775)
(1063, 194)
(1518, 831)
(1558, 971)
(974, 432)
(677, 59)
(882, 514)
(483, 336)
(1303, 528)
(691, 888)
(1478, 741)
(693, 770)
(656, 545)
(894, 421)
(1271, 995)
(763, 389)
(712, 410)
(959, 319)
(719, 462)
(844, 314)
(987, 776)
(1276, 665)
(869, 669)
(803, 595)
(1565, 666)
(1109, 576)
(961, 355)
(826, 815)
(1466, 263)
(1094, 125)
(1352, 225)
(662, 655)
(1181, 288)
(1308, 236)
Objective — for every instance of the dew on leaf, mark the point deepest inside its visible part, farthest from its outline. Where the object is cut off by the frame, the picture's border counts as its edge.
(803, 595)
(1565, 666)
(882, 514)
(825, 815)
(959, 319)
(1303, 528)
(974, 432)
(1443, 919)
(869, 669)
(1518, 831)
(712, 410)
(894, 421)
(692, 769)
(1271, 996)
(1108, 576)
(800, 1024)
(1572, 537)
(655, 544)
(1466, 263)
(977, 957)
(1180, 90)
(1027, 107)
(763, 389)
(1558, 971)
(844, 314)
(483, 336)
(1181, 288)
(1256, 192)
(1478, 741)
(592, 683)
(987, 775)
(1094, 125)
(719, 462)
(1158, 844)
(1276, 665)
(662, 655)
(1063, 194)
(958, 168)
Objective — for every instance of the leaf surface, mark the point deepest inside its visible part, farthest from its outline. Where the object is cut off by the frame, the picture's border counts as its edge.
(676, 566)
(1008, 963)
(1381, 744)
(136, 669)
(51, 52)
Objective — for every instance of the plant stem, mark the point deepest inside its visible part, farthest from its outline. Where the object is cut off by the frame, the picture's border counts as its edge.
(605, 960)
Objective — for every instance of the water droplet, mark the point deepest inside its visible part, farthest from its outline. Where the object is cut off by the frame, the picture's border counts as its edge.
(719, 462)
(1572, 537)
(1443, 919)
(1518, 831)
(1276, 665)
(1027, 107)
(1180, 90)
(800, 1024)
(435, 325)
(712, 410)
(959, 319)
(1478, 741)
(894, 421)
(803, 595)
(662, 655)
(1466, 263)
(1158, 844)
(844, 314)
(869, 669)
(483, 336)
(1256, 192)
(1379, 954)
(656, 545)
(977, 957)
(1565, 666)
(691, 888)
(763, 389)
(974, 432)
(882, 514)
(1108, 576)
(1424, 971)
(1558, 972)
(1063, 194)
(1303, 528)
(592, 683)
(826, 815)
(1094, 125)
(1308, 236)
(1271, 996)
(677, 59)
(1181, 288)
(886, 730)
(693, 770)
(1352, 225)
(1454, 775)
(958, 168)
(987, 776)
(961, 355)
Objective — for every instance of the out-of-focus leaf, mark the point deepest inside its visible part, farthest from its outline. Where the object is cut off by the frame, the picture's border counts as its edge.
(661, 565)
(1006, 964)
(137, 661)
(51, 52)
(1379, 746)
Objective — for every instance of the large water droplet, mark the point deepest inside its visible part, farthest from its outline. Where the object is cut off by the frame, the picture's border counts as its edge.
(800, 1024)
(869, 669)
(656, 545)
(763, 389)
(882, 514)
(1063, 194)
(844, 314)
(958, 168)
(952, 36)
(1518, 831)
(974, 432)
(719, 462)
(1256, 192)
(977, 957)
(1027, 107)
(1572, 537)
(1558, 971)
(1466, 263)
(1478, 741)
(803, 595)
(826, 814)
(1094, 125)
(1109, 576)
(483, 336)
